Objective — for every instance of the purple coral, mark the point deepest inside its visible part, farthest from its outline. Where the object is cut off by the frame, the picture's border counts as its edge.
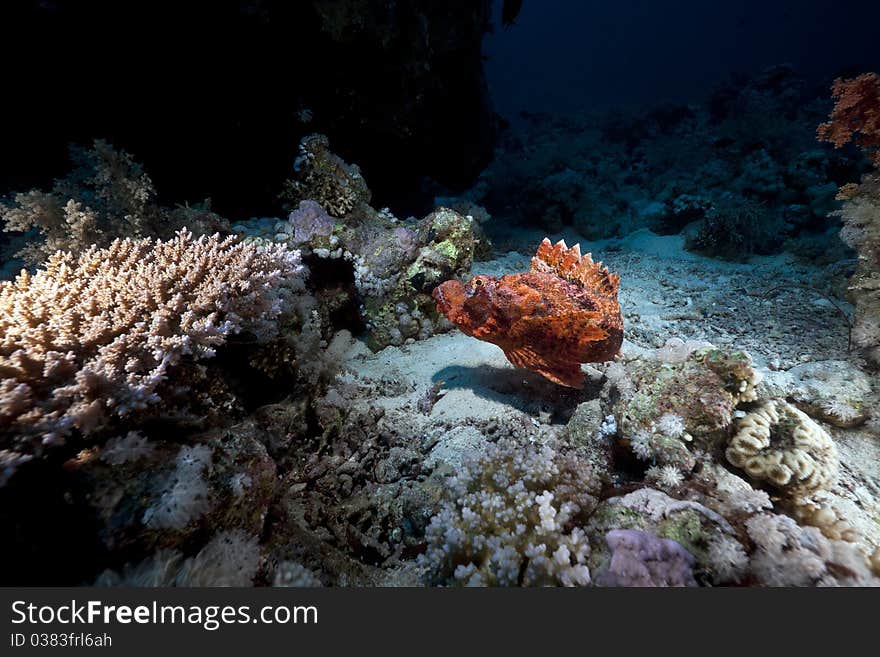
(310, 221)
(407, 240)
(642, 559)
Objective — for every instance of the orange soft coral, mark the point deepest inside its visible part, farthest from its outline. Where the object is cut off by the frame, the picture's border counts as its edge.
(856, 115)
(561, 313)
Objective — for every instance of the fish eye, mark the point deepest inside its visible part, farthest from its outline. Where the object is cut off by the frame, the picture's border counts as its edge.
(478, 281)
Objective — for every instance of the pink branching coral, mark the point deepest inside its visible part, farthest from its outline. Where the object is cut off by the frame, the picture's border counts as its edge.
(856, 115)
(91, 337)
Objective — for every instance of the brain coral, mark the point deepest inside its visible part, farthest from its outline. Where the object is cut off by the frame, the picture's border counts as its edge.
(780, 444)
(94, 336)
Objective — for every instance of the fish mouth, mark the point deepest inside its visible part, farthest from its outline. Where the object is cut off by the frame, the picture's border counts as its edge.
(439, 294)
(445, 295)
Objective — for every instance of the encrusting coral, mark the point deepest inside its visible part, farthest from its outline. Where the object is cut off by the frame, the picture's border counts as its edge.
(324, 177)
(789, 555)
(94, 337)
(559, 314)
(642, 559)
(690, 392)
(108, 195)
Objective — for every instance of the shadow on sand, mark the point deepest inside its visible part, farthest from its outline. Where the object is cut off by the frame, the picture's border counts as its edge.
(521, 389)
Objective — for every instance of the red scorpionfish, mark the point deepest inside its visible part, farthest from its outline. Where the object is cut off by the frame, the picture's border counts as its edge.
(559, 314)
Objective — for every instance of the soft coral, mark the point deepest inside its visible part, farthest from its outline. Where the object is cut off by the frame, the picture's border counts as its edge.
(856, 115)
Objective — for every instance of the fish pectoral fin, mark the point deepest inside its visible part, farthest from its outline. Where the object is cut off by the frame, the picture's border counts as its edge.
(562, 371)
(570, 336)
(555, 346)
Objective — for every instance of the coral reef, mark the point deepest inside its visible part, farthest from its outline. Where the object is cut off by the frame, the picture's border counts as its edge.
(789, 555)
(856, 115)
(689, 393)
(397, 270)
(698, 531)
(394, 264)
(94, 338)
(106, 196)
(514, 517)
(742, 166)
(856, 118)
(832, 391)
(861, 231)
(777, 443)
(155, 494)
(640, 559)
(291, 407)
(324, 177)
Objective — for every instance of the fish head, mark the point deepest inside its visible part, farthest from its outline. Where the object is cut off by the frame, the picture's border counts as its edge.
(467, 305)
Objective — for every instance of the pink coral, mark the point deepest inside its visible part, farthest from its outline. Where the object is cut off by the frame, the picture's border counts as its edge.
(856, 115)
(92, 337)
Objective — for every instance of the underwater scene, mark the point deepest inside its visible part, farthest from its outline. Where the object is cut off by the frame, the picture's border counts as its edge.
(375, 293)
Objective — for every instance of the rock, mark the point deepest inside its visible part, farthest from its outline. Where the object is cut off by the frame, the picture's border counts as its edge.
(833, 391)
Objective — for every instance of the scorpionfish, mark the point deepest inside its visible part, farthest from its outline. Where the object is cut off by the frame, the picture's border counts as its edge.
(561, 313)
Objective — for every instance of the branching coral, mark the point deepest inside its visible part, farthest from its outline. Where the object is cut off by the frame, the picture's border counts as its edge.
(856, 115)
(106, 196)
(514, 517)
(95, 336)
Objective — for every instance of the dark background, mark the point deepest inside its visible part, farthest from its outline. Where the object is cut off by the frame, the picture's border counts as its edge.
(206, 94)
(572, 55)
